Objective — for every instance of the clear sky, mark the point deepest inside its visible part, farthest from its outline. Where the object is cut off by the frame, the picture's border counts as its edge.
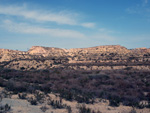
(74, 23)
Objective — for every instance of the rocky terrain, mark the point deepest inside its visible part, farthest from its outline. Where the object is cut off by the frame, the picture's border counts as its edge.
(38, 57)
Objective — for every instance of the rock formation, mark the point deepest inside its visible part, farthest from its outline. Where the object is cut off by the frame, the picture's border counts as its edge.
(38, 57)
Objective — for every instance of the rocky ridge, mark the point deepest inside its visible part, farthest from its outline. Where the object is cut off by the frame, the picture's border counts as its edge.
(38, 57)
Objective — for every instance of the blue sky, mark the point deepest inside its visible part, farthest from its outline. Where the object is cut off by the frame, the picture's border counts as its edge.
(74, 23)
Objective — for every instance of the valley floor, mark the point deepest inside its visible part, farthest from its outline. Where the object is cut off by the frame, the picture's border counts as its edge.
(23, 106)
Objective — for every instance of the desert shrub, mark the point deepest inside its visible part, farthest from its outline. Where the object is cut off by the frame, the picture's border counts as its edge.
(148, 106)
(45, 71)
(77, 95)
(39, 96)
(7, 70)
(84, 99)
(3, 77)
(1, 82)
(66, 94)
(33, 101)
(10, 84)
(22, 96)
(15, 86)
(57, 104)
(131, 101)
(69, 109)
(5, 94)
(44, 108)
(114, 100)
(133, 110)
(46, 88)
(84, 109)
(142, 105)
(31, 89)
(148, 96)
(4, 108)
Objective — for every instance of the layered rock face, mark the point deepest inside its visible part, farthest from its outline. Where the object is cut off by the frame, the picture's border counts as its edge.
(39, 57)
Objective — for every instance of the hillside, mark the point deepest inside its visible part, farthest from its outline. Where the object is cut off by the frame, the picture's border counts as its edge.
(38, 57)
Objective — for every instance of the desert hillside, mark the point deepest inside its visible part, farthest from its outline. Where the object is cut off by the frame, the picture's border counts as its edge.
(38, 57)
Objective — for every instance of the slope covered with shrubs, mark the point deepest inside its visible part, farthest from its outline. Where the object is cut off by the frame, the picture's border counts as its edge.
(129, 87)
